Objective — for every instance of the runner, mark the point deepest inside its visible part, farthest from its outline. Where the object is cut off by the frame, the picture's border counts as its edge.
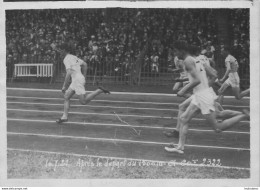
(202, 99)
(183, 79)
(233, 79)
(73, 66)
(195, 52)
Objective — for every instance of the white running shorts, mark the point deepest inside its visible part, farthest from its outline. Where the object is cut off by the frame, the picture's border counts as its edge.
(233, 80)
(204, 100)
(78, 85)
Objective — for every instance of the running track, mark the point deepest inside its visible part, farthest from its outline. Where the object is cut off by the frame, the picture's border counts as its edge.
(96, 130)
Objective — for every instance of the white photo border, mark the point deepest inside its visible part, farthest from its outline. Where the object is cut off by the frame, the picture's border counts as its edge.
(254, 100)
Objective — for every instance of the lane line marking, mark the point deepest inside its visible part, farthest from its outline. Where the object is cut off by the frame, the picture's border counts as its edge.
(114, 107)
(118, 93)
(121, 125)
(121, 115)
(120, 140)
(130, 159)
(113, 101)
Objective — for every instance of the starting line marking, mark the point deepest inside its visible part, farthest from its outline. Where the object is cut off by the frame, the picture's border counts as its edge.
(130, 159)
(105, 114)
(114, 101)
(118, 93)
(119, 125)
(121, 140)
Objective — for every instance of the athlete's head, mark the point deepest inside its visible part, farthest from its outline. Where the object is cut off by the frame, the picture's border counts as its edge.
(194, 50)
(181, 49)
(225, 50)
(64, 49)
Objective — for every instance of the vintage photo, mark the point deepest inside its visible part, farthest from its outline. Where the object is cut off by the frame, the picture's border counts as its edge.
(128, 93)
(40, 0)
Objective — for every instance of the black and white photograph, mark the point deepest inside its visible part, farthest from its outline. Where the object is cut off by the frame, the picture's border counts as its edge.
(130, 93)
(32, 1)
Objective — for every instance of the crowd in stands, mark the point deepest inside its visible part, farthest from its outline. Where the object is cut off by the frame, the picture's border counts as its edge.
(111, 40)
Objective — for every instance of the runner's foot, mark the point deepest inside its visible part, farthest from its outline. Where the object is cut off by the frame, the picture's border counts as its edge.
(173, 149)
(61, 120)
(174, 133)
(104, 90)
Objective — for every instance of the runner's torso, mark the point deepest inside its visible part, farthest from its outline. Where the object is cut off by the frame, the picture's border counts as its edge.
(74, 63)
(233, 64)
(202, 74)
(203, 59)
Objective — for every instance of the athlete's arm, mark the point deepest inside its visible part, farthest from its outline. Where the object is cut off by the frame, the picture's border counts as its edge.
(227, 71)
(190, 68)
(212, 62)
(211, 73)
(174, 70)
(181, 80)
(84, 68)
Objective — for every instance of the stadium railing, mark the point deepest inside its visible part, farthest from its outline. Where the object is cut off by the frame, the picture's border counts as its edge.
(32, 70)
(106, 72)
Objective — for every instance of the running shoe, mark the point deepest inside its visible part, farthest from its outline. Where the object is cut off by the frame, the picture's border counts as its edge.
(174, 133)
(104, 90)
(173, 150)
(61, 120)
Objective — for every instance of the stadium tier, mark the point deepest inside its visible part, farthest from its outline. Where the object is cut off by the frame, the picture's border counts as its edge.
(133, 46)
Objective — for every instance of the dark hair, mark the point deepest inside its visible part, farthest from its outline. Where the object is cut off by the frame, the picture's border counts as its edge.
(65, 47)
(181, 45)
(227, 48)
(193, 49)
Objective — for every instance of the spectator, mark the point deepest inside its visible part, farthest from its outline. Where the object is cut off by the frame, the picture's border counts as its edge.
(106, 37)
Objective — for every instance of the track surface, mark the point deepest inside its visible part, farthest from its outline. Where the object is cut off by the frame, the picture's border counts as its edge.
(96, 130)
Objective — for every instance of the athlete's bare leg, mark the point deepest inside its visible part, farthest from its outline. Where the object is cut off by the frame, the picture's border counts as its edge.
(86, 98)
(239, 95)
(225, 114)
(224, 125)
(67, 96)
(221, 91)
(218, 107)
(185, 118)
(182, 107)
(83, 98)
(176, 87)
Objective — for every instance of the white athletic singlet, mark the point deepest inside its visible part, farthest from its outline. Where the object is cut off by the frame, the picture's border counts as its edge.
(232, 62)
(204, 60)
(74, 63)
(204, 83)
(233, 78)
(202, 74)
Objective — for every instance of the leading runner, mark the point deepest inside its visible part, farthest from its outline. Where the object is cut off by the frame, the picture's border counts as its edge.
(74, 68)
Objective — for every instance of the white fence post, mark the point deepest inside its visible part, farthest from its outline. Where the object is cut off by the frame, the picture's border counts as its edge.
(42, 70)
